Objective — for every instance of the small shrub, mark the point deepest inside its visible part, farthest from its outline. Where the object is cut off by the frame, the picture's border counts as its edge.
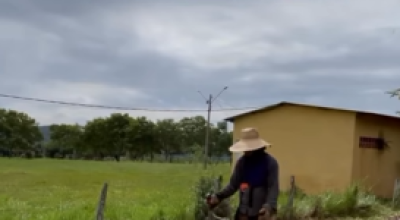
(204, 186)
(353, 202)
(340, 204)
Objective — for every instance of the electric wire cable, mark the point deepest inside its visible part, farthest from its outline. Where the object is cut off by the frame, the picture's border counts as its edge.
(118, 107)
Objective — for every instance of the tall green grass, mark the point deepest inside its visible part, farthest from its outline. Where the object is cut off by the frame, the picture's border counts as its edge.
(69, 190)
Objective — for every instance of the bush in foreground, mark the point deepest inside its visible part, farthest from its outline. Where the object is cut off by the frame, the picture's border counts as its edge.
(353, 202)
(199, 209)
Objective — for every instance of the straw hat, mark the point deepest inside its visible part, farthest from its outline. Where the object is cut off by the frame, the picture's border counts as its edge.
(249, 141)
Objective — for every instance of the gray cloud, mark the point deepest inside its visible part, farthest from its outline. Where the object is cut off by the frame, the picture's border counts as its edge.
(158, 55)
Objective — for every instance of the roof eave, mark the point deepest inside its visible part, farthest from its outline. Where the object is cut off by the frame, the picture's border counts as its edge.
(230, 119)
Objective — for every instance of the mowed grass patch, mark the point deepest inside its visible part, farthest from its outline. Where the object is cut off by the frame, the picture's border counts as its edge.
(67, 189)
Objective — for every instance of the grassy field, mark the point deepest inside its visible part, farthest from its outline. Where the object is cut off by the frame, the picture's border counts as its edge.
(69, 190)
(66, 189)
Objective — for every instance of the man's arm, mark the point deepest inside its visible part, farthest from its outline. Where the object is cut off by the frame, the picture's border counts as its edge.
(273, 186)
(233, 184)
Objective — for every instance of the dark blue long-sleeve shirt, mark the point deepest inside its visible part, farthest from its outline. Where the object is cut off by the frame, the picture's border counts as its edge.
(271, 185)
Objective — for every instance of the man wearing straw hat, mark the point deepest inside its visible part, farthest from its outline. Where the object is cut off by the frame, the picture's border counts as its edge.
(256, 176)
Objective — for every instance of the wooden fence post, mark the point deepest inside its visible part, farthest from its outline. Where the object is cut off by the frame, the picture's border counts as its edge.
(218, 185)
(289, 207)
(396, 193)
(102, 203)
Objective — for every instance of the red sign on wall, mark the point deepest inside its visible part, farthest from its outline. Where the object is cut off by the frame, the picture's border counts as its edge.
(369, 142)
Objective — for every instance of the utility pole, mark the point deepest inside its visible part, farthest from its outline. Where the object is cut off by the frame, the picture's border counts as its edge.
(209, 102)
(206, 146)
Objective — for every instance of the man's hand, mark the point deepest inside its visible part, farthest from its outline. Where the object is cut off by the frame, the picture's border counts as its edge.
(265, 214)
(212, 200)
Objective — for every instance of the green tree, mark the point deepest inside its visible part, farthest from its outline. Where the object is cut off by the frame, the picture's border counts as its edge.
(168, 136)
(142, 138)
(66, 138)
(395, 93)
(96, 139)
(115, 135)
(18, 131)
(221, 139)
(193, 132)
(118, 128)
(5, 130)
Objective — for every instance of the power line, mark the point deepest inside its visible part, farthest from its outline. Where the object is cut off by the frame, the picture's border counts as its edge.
(57, 102)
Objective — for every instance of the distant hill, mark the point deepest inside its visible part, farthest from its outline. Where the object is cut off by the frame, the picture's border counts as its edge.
(45, 132)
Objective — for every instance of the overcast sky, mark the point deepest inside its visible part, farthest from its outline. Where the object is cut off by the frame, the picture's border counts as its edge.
(158, 54)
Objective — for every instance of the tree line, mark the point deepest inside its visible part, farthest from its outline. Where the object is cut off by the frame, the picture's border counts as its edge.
(118, 135)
